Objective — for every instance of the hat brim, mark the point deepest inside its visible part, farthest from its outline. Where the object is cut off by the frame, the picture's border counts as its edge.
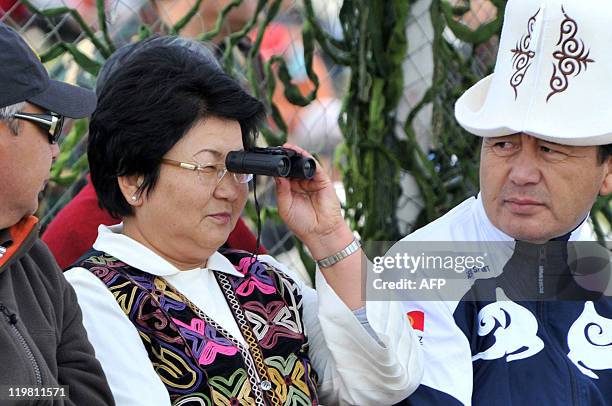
(469, 112)
(66, 100)
(476, 117)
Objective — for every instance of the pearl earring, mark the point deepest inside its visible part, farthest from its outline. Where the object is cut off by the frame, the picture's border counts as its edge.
(134, 198)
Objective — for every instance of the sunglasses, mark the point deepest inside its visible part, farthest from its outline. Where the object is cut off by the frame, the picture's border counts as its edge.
(52, 123)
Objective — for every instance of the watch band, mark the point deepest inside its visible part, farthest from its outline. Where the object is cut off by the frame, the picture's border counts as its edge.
(340, 255)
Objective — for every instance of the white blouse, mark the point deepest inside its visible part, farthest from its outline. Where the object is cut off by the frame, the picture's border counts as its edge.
(352, 366)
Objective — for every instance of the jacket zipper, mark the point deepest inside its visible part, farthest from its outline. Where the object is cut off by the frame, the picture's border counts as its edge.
(12, 320)
(542, 262)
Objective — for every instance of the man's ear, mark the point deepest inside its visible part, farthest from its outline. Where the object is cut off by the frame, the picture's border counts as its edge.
(130, 188)
(606, 186)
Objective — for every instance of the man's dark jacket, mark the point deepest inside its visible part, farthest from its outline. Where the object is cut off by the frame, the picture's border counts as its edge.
(42, 338)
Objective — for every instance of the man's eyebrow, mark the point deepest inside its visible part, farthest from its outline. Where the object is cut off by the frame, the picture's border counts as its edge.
(555, 143)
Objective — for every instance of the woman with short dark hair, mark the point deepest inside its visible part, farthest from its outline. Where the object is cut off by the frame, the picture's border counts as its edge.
(175, 320)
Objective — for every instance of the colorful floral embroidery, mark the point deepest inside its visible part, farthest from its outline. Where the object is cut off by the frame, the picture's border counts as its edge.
(207, 342)
(271, 322)
(196, 359)
(256, 278)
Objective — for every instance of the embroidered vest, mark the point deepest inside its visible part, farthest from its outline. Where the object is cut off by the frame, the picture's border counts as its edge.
(198, 361)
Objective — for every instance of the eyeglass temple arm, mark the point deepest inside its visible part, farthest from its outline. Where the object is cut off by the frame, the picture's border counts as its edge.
(185, 165)
(35, 118)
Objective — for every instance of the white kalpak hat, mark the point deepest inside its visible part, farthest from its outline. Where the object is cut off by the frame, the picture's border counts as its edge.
(553, 75)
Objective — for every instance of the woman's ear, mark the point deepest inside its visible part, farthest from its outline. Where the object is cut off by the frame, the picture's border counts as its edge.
(130, 188)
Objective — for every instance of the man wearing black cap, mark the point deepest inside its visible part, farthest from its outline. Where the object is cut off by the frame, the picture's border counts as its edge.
(44, 350)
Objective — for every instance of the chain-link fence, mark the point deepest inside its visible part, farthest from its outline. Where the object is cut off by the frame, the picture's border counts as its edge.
(369, 86)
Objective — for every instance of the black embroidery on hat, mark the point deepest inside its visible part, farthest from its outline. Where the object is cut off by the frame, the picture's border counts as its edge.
(571, 58)
(521, 60)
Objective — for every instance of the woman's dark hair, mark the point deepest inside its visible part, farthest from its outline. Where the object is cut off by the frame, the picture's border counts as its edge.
(153, 94)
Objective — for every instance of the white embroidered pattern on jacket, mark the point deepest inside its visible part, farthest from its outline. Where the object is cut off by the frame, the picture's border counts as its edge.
(515, 329)
(590, 342)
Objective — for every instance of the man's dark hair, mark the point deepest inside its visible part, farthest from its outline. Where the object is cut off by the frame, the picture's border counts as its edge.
(145, 107)
(604, 153)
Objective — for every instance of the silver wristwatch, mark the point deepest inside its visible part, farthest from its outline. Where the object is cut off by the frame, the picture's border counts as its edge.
(340, 255)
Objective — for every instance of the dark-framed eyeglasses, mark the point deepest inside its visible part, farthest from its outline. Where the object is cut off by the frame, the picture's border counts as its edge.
(214, 171)
(52, 123)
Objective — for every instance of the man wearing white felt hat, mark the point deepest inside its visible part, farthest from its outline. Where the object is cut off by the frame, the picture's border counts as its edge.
(545, 116)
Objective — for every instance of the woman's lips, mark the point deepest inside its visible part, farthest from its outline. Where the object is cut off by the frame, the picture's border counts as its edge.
(221, 218)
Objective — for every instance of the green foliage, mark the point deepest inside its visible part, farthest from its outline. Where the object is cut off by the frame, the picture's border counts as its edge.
(448, 174)
(374, 47)
(105, 49)
(66, 170)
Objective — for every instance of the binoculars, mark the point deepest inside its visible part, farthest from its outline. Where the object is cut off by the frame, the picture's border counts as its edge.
(271, 161)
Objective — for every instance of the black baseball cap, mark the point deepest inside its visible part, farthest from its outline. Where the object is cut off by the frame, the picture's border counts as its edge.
(24, 78)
